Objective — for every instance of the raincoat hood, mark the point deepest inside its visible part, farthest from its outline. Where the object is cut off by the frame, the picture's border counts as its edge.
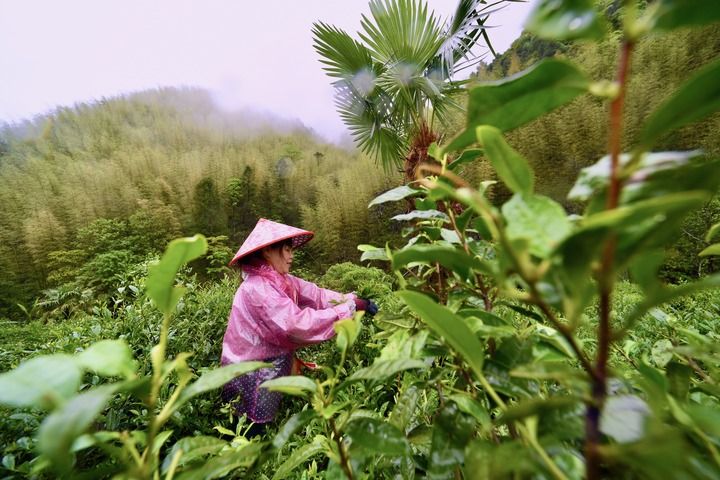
(267, 232)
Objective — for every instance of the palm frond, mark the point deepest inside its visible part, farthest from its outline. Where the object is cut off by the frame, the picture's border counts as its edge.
(342, 56)
(370, 121)
(401, 31)
(464, 32)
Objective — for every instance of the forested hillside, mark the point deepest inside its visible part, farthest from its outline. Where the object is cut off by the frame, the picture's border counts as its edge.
(92, 190)
(574, 136)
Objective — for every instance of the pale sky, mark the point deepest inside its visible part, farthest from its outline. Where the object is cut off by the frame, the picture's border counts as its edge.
(249, 54)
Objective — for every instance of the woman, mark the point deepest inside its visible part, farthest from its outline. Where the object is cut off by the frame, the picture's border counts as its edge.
(273, 314)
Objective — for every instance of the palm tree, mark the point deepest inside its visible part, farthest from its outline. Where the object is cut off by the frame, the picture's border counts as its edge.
(396, 81)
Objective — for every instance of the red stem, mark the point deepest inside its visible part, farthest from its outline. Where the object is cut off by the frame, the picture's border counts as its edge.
(593, 458)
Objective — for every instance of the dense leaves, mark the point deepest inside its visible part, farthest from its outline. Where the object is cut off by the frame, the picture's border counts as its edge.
(514, 347)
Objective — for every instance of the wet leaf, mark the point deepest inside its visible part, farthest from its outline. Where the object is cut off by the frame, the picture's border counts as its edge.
(450, 326)
(373, 436)
(404, 409)
(451, 433)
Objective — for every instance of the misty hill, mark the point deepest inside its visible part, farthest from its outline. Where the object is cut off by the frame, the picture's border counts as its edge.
(163, 163)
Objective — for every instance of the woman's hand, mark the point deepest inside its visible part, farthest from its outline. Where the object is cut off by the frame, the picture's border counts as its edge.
(369, 306)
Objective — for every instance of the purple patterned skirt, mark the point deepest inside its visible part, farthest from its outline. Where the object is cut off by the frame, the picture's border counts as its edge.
(246, 397)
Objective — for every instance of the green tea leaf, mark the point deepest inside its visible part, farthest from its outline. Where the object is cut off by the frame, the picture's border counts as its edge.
(653, 175)
(450, 326)
(369, 435)
(714, 230)
(447, 256)
(192, 449)
(511, 167)
(693, 101)
(298, 457)
(536, 406)
(671, 14)
(662, 352)
(42, 382)
(711, 250)
(404, 409)
(109, 358)
(223, 464)
(293, 424)
(371, 252)
(485, 460)
(540, 220)
(421, 215)
(292, 385)
(394, 195)
(451, 433)
(515, 101)
(216, 378)
(381, 370)
(565, 20)
(161, 275)
(347, 332)
(466, 156)
(678, 376)
(60, 429)
(707, 418)
(469, 405)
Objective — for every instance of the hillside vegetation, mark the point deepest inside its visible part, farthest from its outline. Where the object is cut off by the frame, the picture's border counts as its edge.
(573, 137)
(92, 190)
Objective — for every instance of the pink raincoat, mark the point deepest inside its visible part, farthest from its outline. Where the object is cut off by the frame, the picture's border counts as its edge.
(272, 315)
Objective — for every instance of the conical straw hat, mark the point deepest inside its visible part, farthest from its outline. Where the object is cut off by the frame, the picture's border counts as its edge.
(267, 232)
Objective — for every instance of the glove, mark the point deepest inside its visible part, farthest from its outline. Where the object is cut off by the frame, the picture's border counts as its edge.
(368, 305)
(372, 308)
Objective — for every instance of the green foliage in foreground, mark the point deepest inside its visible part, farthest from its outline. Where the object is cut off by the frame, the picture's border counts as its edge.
(514, 351)
(563, 142)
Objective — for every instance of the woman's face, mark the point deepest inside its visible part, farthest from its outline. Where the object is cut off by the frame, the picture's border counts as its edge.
(279, 258)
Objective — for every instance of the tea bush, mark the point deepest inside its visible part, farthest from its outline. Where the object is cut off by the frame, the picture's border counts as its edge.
(509, 348)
